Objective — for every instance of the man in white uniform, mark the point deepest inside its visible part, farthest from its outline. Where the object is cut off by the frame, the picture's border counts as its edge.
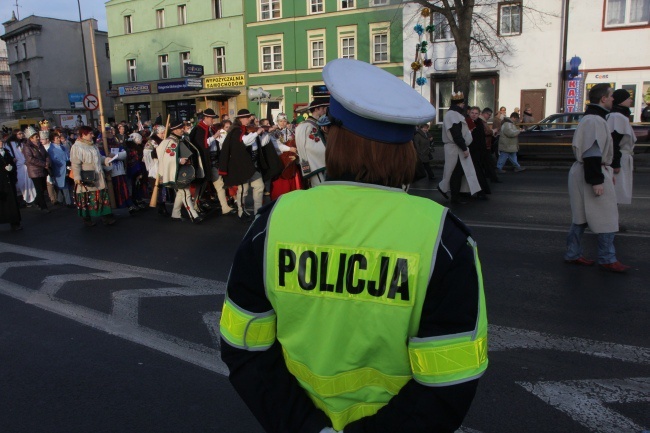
(310, 144)
(591, 184)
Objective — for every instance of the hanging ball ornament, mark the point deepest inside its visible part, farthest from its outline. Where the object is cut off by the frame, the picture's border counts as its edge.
(416, 66)
(421, 81)
(430, 28)
(428, 63)
(418, 29)
(425, 12)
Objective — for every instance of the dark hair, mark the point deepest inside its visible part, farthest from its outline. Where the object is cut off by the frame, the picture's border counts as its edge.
(598, 92)
(367, 160)
(487, 110)
(514, 114)
(227, 121)
(85, 130)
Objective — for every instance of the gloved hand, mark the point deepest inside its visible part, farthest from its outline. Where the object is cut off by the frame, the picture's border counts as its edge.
(330, 430)
(9, 167)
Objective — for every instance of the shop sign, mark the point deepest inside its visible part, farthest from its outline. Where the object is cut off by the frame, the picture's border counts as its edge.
(219, 81)
(76, 100)
(180, 86)
(135, 89)
(573, 92)
(19, 106)
(112, 93)
(70, 120)
(32, 104)
(193, 70)
(476, 62)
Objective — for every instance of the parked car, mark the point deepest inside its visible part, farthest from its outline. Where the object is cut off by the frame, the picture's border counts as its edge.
(552, 137)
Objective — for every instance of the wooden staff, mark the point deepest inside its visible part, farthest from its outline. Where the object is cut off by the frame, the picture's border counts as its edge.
(154, 194)
(107, 176)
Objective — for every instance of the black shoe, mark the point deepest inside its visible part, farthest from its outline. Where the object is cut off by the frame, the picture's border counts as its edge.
(177, 219)
(482, 196)
(444, 194)
(205, 206)
(45, 210)
(16, 227)
(246, 217)
(70, 206)
(197, 220)
(622, 228)
(109, 220)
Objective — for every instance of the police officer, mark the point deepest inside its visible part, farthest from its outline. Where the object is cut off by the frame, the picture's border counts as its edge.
(368, 315)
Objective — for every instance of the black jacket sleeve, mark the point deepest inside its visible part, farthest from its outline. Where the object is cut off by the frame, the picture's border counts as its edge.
(261, 378)
(617, 137)
(275, 396)
(456, 132)
(593, 170)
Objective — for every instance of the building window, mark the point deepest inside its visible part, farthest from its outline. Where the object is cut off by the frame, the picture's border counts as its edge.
(510, 19)
(316, 6)
(185, 60)
(269, 9)
(348, 48)
(17, 53)
(627, 13)
(19, 78)
(132, 70)
(128, 24)
(163, 66)
(442, 31)
(379, 46)
(378, 2)
(24, 50)
(108, 50)
(28, 85)
(220, 60)
(317, 54)
(182, 15)
(216, 9)
(271, 57)
(346, 4)
(482, 93)
(160, 18)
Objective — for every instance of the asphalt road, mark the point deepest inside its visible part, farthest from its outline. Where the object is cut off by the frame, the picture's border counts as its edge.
(113, 329)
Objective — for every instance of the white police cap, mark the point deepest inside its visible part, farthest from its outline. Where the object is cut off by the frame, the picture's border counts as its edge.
(373, 103)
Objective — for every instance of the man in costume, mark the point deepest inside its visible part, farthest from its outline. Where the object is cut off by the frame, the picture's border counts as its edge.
(310, 144)
(371, 317)
(591, 184)
(624, 139)
(457, 137)
(179, 161)
(199, 136)
(238, 163)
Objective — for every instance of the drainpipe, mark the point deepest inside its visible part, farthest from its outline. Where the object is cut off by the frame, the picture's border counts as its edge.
(565, 41)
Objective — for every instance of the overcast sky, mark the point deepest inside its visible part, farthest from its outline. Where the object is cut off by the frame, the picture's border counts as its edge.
(62, 9)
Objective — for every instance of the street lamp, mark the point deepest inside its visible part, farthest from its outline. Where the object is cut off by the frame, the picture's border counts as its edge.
(83, 46)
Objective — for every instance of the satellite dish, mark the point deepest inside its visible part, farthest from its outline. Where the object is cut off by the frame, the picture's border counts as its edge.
(258, 94)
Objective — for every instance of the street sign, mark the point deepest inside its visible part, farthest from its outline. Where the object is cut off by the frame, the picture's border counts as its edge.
(91, 102)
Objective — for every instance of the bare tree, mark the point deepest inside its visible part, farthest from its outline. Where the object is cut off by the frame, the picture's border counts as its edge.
(474, 27)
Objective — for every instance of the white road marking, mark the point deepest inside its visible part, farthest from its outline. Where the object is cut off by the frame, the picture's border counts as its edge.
(211, 320)
(538, 228)
(503, 338)
(583, 400)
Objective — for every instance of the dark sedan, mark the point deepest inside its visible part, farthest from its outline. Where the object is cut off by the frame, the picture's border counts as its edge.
(551, 138)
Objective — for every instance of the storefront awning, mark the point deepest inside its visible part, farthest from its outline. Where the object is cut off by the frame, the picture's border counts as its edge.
(217, 94)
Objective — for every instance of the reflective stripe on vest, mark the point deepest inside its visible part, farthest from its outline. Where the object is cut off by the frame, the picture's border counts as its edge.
(347, 300)
(246, 330)
(451, 359)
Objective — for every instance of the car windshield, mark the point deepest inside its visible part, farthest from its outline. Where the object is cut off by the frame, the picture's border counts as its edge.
(559, 121)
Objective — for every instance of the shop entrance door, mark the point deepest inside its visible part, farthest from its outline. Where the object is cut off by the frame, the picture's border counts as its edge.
(537, 101)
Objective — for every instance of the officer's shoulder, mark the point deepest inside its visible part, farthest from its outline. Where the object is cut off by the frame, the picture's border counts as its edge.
(454, 224)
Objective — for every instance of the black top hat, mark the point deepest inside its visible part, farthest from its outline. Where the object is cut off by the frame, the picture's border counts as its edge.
(243, 113)
(175, 124)
(209, 112)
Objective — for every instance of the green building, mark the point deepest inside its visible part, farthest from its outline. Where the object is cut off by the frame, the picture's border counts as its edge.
(289, 41)
(152, 41)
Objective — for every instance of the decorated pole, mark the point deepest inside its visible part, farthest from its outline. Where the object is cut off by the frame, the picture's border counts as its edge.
(107, 176)
(154, 194)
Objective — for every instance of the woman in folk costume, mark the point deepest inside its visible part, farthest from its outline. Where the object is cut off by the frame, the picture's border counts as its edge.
(9, 207)
(285, 145)
(92, 199)
(624, 138)
(457, 138)
(38, 163)
(118, 174)
(24, 185)
(58, 170)
(150, 159)
(176, 157)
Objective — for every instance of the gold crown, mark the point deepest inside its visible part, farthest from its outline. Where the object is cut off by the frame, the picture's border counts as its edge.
(44, 123)
(457, 96)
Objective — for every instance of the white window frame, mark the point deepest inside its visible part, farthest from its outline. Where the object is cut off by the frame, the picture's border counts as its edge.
(185, 59)
(270, 4)
(128, 24)
(441, 24)
(220, 58)
(160, 18)
(182, 15)
(510, 6)
(345, 5)
(347, 32)
(132, 70)
(163, 66)
(275, 43)
(375, 3)
(379, 30)
(217, 11)
(317, 4)
(317, 48)
(627, 18)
